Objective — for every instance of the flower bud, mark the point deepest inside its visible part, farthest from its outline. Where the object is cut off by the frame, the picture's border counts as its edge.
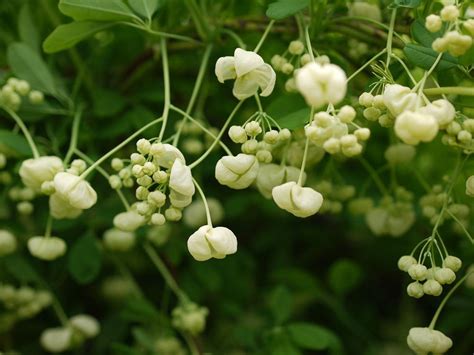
(413, 127)
(173, 214)
(25, 208)
(432, 287)
(321, 84)
(119, 240)
(115, 182)
(305, 59)
(46, 248)
(433, 23)
(36, 97)
(296, 47)
(143, 146)
(129, 221)
(366, 99)
(78, 192)
(415, 290)
(452, 263)
(165, 154)
(362, 134)
(237, 172)
(56, 340)
(8, 242)
(237, 134)
(60, 208)
(405, 262)
(156, 198)
(398, 98)
(158, 219)
(181, 179)
(190, 318)
(300, 201)
(137, 159)
(271, 137)
(208, 242)
(34, 172)
(449, 13)
(346, 114)
(426, 340)
(87, 325)
(444, 276)
(365, 9)
(417, 272)
(442, 110)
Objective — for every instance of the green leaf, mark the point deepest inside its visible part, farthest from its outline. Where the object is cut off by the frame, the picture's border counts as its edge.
(13, 144)
(28, 65)
(27, 29)
(425, 57)
(295, 119)
(96, 10)
(406, 3)
(344, 275)
(422, 35)
(85, 260)
(311, 336)
(280, 303)
(20, 269)
(145, 8)
(279, 343)
(68, 35)
(467, 58)
(283, 8)
(107, 102)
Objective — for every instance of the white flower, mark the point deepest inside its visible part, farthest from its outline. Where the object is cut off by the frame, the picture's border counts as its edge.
(425, 340)
(46, 248)
(300, 201)
(441, 109)
(271, 175)
(250, 72)
(7, 242)
(166, 154)
(78, 192)
(208, 242)
(34, 172)
(321, 84)
(60, 208)
(179, 200)
(413, 127)
(237, 172)
(181, 179)
(128, 221)
(398, 98)
(86, 325)
(56, 340)
(119, 240)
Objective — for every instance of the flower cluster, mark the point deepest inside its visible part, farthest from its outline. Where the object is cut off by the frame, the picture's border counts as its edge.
(12, 92)
(292, 59)
(459, 134)
(190, 318)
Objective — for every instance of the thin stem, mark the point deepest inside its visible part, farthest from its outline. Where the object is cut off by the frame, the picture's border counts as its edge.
(219, 136)
(309, 46)
(461, 225)
(166, 79)
(366, 19)
(365, 65)
(390, 36)
(373, 174)
(49, 226)
(204, 200)
(405, 67)
(234, 36)
(455, 90)
(160, 33)
(264, 36)
(259, 103)
(160, 265)
(303, 163)
(204, 129)
(24, 130)
(118, 147)
(191, 344)
(198, 19)
(197, 87)
(74, 134)
(445, 300)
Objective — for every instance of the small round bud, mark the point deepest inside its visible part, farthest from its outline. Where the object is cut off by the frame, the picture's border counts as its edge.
(125, 173)
(362, 134)
(137, 171)
(332, 145)
(433, 23)
(449, 13)
(79, 165)
(417, 272)
(284, 134)
(322, 59)
(379, 102)
(444, 276)
(464, 136)
(237, 134)
(141, 193)
(8, 243)
(453, 263)
(22, 87)
(143, 146)
(253, 128)
(157, 198)
(36, 97)
(144, 180)
(405, 262)
(158, 219)
(271, 137)
(415, 290)
(264, 156)
(287, 68)
(305, 59)
(117, 240)
(250, 147)
(128, 182)
(346, 114)
(117, 164)
(290, 85)
(296, 47)
(432, 288)
(137, 158)
(149, 168)
(366, 99)
(173, 214)
(25, 208)
(348, 140)
(160, 177)
(144, 208)
(372, 113)
(115, 182)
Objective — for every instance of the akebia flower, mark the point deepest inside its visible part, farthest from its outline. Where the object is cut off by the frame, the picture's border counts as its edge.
(250, 72)
(442, 110)
(181, 179)
(414, 127)
(425, 340)
(398, 98)
(212, 242)
(298, 200)
(271, 175)
(166, 154)
(46, 248)
(237, 172)
(129, 221)
(34, 172)
(78, 192)
(85, 324)
(60, 208)
(321, 84)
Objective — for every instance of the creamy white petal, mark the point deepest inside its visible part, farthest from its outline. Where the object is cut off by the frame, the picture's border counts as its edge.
(246, 61)
(222, 240)
(198, 246)
(225, 69)
(181, 179)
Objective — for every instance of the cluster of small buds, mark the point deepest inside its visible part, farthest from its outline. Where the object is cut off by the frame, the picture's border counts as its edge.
(432, 206)
(428, 281)
(293, 58)
(190, 318)
(460, 134)
(330, 131)
(334, 196)
(357, 49)
(23, 302)
(393, 216)
(158, 169)
(124, 177)
(257, 137)
(457, 38)
(11, 94)
(375, 109)
(23, 197)
(195, 140)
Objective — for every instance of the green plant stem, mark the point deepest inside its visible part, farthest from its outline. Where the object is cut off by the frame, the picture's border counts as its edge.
(366, 19)
(74, 134)
(204, 200)
(219, 136)
(471, 239)
(309, 46)
(305, 154)
(49, 226)
(390, 36)
(166, 79)
(264, 36)
(118, 147)
(198, 19)
(353, 75)
(448, 90)
(373, 174)
(259, 103)
(445, 300)
(160, 265)
(160, 33)
(191, 343)
(24, 130)
(196, 89)
(204, 129)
